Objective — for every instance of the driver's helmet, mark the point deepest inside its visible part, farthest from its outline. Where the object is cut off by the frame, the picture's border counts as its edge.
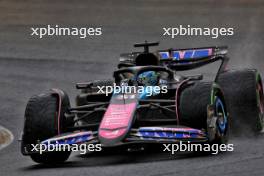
(148, 78)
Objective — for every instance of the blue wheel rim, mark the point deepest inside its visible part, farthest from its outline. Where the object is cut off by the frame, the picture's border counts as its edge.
(221, 124)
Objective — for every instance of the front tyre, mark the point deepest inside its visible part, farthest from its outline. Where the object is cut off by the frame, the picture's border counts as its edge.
(44, 118)
(202, 106)
(243, 90)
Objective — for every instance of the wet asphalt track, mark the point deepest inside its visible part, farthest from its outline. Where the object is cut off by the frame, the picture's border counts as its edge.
(29, 65)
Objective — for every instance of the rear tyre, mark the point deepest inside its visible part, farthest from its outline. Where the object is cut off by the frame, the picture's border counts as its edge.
(195, 102)
(243, 90)
(42, 122)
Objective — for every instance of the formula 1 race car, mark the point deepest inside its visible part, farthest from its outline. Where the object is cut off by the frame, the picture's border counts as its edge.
(189, 110)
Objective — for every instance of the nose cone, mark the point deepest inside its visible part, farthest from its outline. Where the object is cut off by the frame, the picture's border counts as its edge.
(116, 123)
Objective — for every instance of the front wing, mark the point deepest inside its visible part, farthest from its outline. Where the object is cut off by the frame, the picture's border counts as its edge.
(139, 135)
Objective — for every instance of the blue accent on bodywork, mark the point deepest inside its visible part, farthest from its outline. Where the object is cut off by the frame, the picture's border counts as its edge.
(169, 133)
(176, 55)
(201, 53)
(160, 134)
(69, 140)
(164, 55)
(187, 54)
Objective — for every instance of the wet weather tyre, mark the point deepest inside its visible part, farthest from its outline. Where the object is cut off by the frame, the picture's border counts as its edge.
(243, 90)
(42, 122)
(193, 111)
(193, 104)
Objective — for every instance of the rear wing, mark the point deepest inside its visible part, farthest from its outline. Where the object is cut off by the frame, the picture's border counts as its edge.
(185, 59)
(179, 59)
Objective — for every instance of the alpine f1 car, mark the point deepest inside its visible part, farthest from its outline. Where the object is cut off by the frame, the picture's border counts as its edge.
(190, 110)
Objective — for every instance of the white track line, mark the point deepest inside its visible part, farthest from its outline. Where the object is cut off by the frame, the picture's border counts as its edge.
(8, 137)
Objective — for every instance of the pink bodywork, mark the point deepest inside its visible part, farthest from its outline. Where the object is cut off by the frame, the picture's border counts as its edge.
(116, 120)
